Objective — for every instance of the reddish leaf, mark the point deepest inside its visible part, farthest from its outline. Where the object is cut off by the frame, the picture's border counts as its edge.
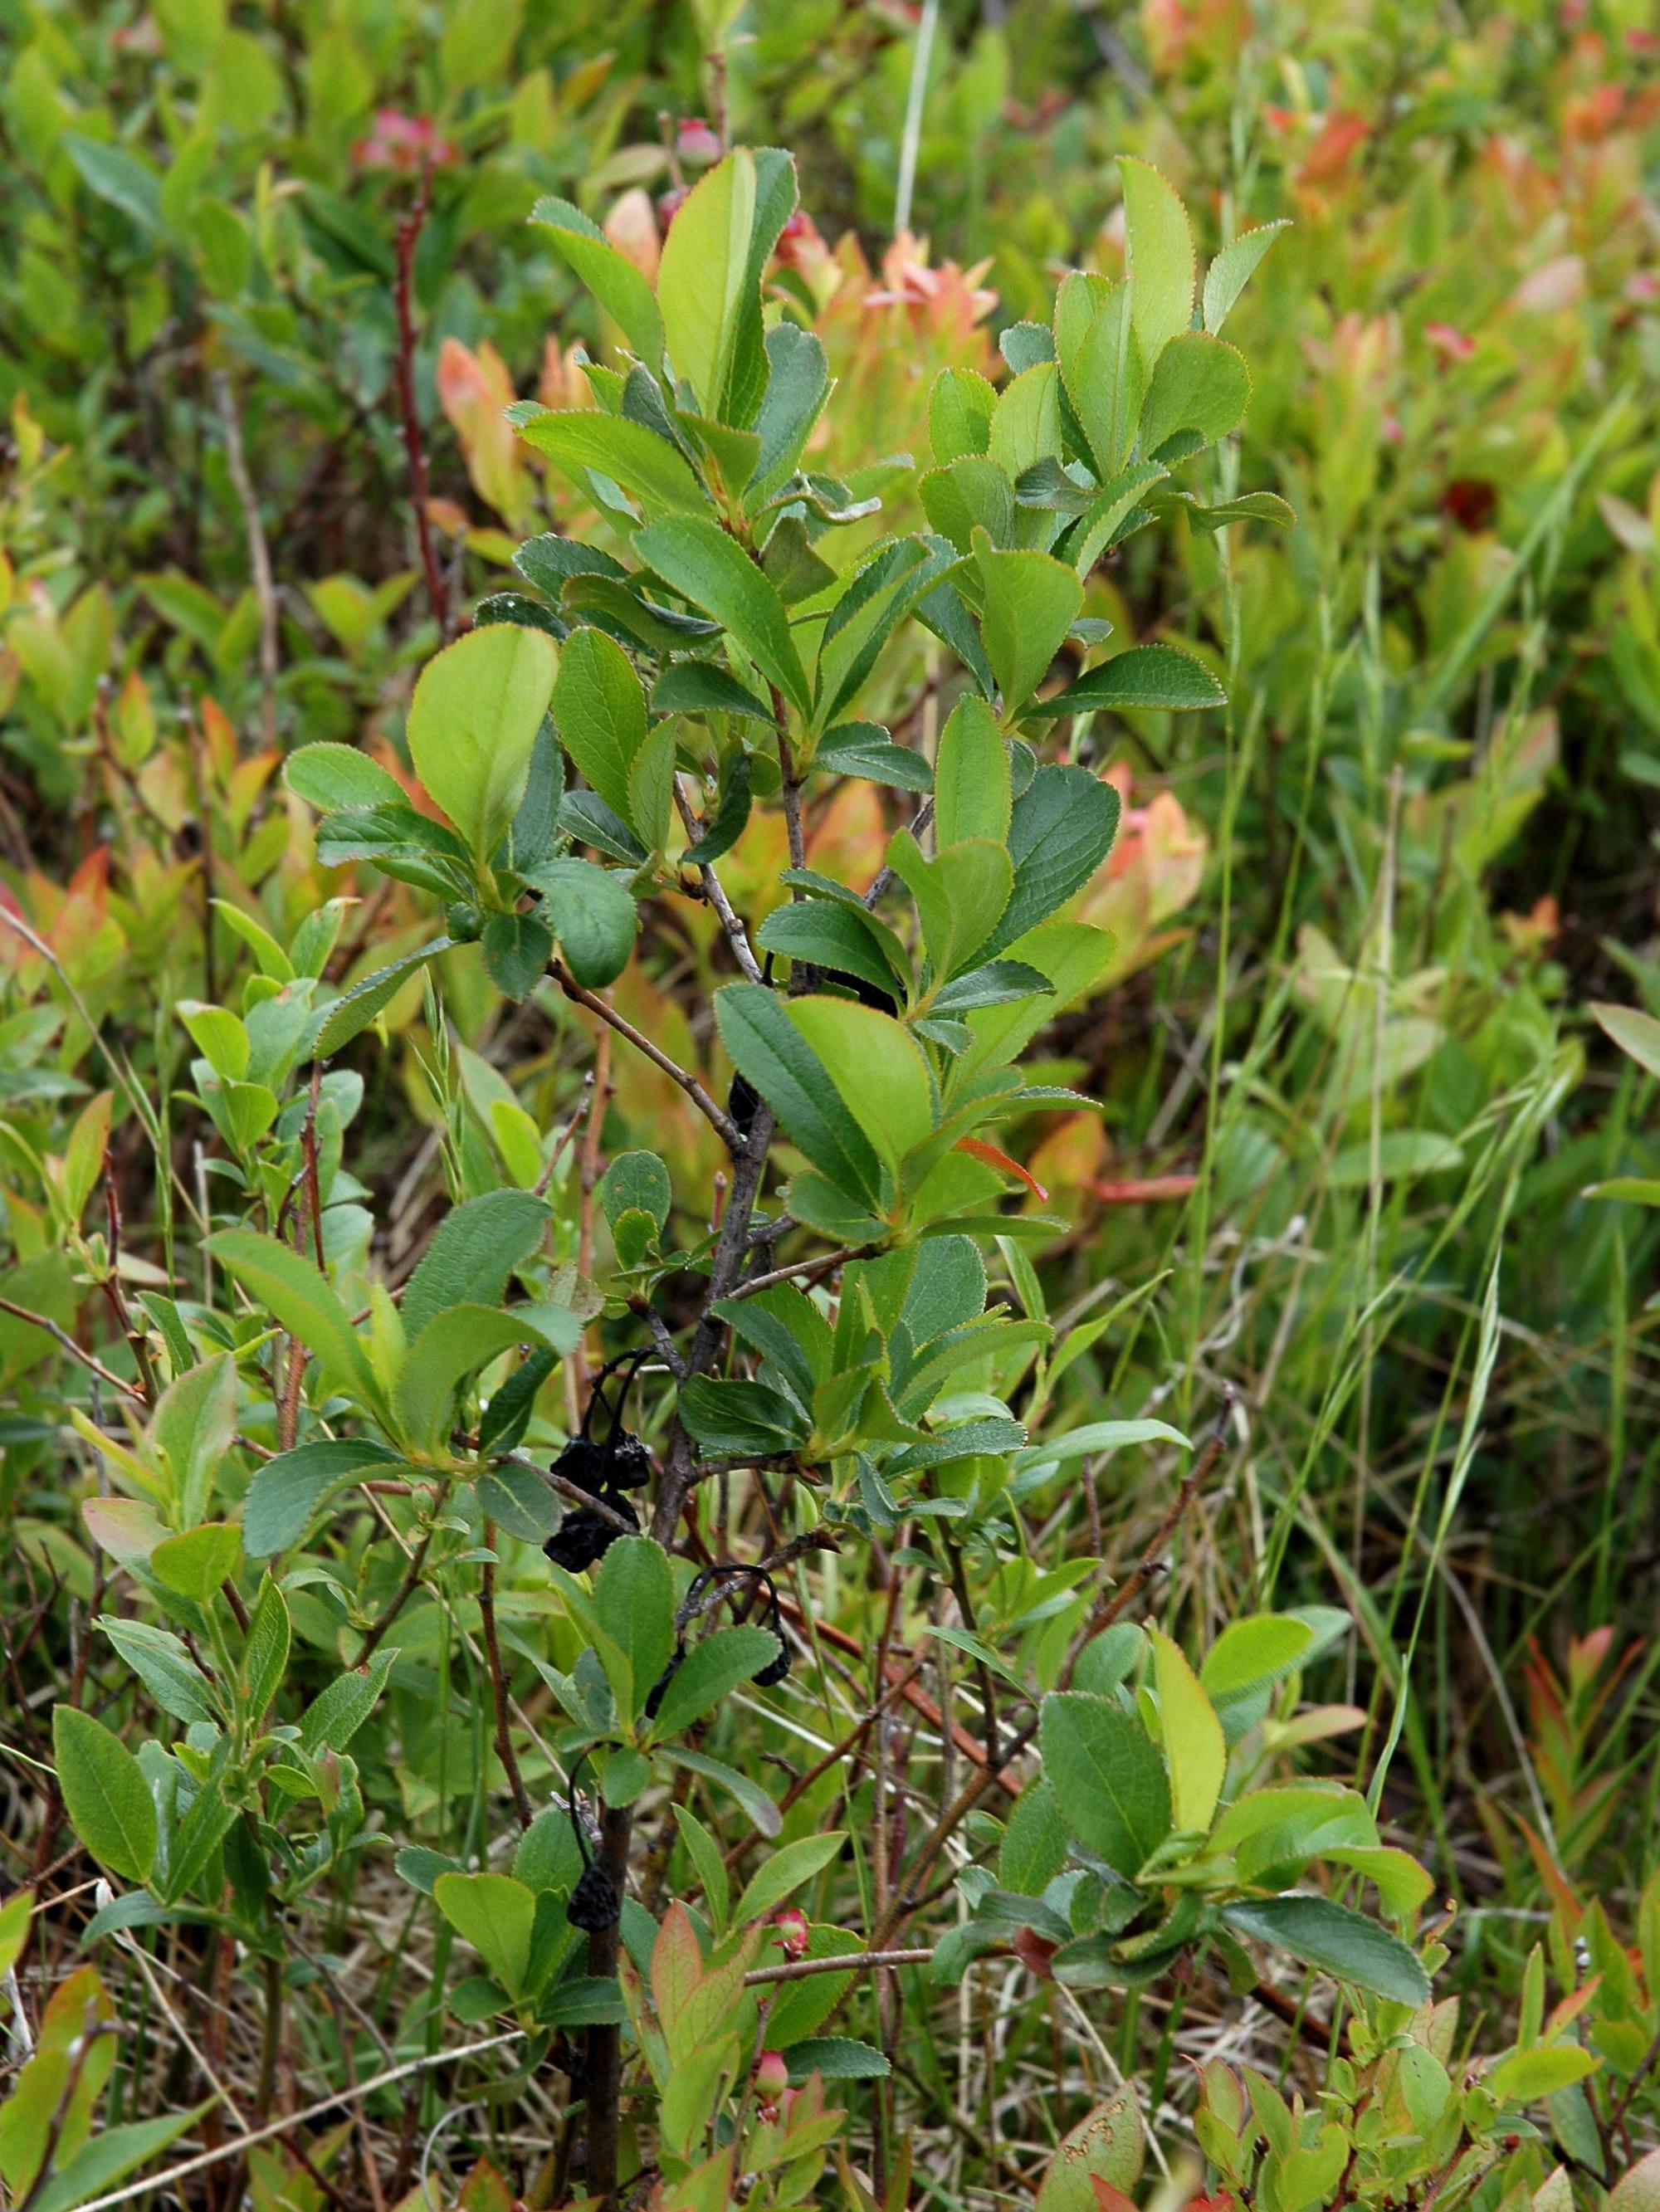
(1002, 1161)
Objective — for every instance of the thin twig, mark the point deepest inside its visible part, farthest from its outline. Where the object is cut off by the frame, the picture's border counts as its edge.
(168, 2181)
(259, 570)
(405, 1591)
(409, 233)
(845, 1962)
(1103, 1616)
(63, 1337)
(731, 1135)
(499, 1684)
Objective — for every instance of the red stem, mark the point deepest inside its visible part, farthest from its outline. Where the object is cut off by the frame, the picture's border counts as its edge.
(409, 233)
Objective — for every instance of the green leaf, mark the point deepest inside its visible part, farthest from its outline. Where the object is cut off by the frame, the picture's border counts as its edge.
(1261, 1648)
(118, 179)
(1336, 1941)
(1162, 268)
(1099, 1436)
(637, 1182)
(1635, 1190)
(634, 1599)
(493, 1913)
(354, 1009)
(971, 781)
(776, 195)
(711, 1670)
(701, 276)
(1108, 1778)
(14, 1928)
(651, 789)
(194, 1564)
(1195, 1751)
(994, 984)
(286, 1492)
(112, 2155)
(972, 493)
(1142, 676)
(193, 1426)
(960, 409)
(865, 749)
(1030, 602)
(828, 934)
(476, 1248)
(265, 1648)
(875, 600)
(697, 559)
(1034, 1847)
(1201, 384)
(798, 384)
(329, 777)
(521, 1501)
(1402, 1884)
(877, 1065)
(472, 725)
(612, 278)
(1232, 270)
(217, 1035)
(787, 1871)
(763, 1816)
(585, 2001)
(1249, 506)
(771, 1054)
(1524, 2077)
(1025, 423)
(457, 1343)
(1062, 829)
(592, 914)
(1635, 1033)
(650, 470)
(1110, 512)
(961, 892)
(837, 2058)
(730, 816)
(105, 1794)
(600, 711)
(1106, 2145)
(698, 687)
(1102, 369)
(163, 1664)
(733, 1420)
(334, 1716)
(302, 1300)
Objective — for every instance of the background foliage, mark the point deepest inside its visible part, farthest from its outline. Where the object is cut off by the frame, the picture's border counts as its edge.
(1370, 1198)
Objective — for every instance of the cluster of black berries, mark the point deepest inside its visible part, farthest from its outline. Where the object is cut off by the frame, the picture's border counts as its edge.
(775, 1668)
(605, 1468)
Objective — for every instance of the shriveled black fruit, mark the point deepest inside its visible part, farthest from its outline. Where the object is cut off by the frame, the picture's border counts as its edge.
(584, 1537)
(630, 1463)
(775, 1669)
(585, 1463)
(594, 1904)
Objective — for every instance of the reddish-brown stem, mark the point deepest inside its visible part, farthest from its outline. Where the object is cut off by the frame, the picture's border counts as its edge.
(409, 234)
(499, 1685)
